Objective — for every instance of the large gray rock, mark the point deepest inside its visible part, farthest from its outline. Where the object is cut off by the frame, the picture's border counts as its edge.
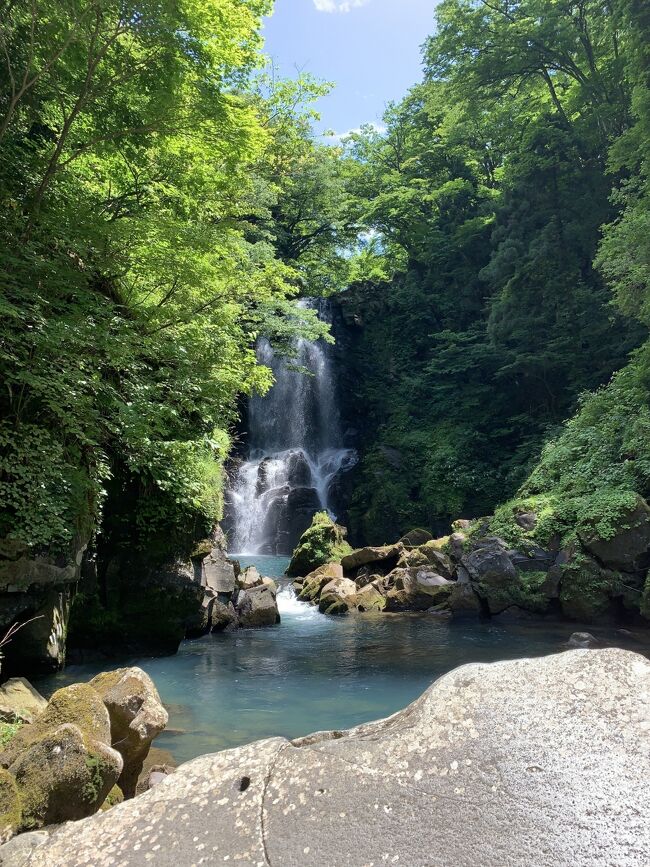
(20, 701)
(136, 716)
(537, 761)
(257, 606)
(336, 595)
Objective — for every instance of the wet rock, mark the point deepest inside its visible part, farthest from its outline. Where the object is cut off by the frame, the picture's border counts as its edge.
(493, 765)
(64, 775)
(583, 639)
(20, 701)
(464, 601)
(223, 616)
(136, 718)
(257, 607)
(336, 596)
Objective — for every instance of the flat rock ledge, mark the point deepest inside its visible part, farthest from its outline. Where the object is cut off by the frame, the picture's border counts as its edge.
(531, 762)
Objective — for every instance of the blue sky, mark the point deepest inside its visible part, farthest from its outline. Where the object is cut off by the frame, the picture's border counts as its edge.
(369, 48)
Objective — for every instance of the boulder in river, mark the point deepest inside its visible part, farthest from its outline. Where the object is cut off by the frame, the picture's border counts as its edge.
(531, 761)
(583, 639)
(322, 542)
(416, 589)
(257, 606)
(385, 556)
(79, 705)
(336, 595)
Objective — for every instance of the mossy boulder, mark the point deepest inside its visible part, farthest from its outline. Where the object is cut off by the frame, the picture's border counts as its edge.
(257, 606)
(587, 590)
(428, 554)
(311, 586)
(416, 589)
(368, 598)
(322, 542)
(64, 775)
(336, 596)
(79, 705)
(10, 806)
(136, 718)
(627, 542)
(416, 537)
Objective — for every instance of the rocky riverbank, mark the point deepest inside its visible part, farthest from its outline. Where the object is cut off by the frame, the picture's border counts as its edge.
(475, 572)
(182, 598)
(535, 761)
(82, 751)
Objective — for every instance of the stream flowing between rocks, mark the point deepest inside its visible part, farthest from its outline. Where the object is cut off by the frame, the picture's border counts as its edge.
(314, 672)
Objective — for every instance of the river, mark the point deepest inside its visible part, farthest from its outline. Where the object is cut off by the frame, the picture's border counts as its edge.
(314, 672)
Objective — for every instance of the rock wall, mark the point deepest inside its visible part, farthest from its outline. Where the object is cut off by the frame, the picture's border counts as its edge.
(37, 588)
(533, 762)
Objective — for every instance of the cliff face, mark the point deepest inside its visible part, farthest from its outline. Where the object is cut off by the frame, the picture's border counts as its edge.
(38, 588)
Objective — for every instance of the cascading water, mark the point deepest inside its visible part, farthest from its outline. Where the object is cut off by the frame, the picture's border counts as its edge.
(295, 452)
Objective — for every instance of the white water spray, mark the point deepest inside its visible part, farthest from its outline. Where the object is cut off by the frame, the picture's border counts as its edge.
(295, 453)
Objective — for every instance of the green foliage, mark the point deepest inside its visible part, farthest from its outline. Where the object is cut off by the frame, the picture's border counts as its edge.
(153, 227)
(8, 730)
(478, 317)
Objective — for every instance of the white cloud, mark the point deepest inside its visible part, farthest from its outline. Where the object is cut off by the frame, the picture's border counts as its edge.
(337, 137)
(338, 5)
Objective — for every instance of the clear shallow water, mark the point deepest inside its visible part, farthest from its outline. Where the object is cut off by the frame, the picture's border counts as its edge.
(313, 672)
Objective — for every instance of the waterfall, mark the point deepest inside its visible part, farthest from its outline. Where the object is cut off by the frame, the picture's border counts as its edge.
(295, 452)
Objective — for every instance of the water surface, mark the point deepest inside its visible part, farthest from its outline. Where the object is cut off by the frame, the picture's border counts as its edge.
(314, 672)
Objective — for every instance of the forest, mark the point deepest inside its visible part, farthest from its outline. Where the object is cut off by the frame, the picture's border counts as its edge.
(302, 429)
(165, 203)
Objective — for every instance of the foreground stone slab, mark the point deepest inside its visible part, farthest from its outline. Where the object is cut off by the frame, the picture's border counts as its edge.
(538, 762)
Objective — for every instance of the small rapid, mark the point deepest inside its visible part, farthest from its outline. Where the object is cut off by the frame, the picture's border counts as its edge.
(291, 608)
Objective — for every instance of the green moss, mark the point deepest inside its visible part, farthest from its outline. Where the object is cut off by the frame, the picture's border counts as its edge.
(586, 590)
(8, 730)
(322, 542)
(78, 704)
(115, 796)
(10, 805)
